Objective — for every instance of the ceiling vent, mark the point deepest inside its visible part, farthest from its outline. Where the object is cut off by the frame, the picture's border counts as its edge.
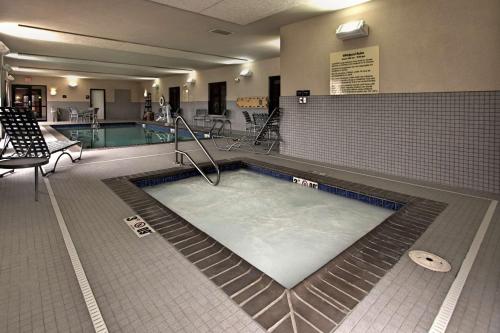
(221, 32)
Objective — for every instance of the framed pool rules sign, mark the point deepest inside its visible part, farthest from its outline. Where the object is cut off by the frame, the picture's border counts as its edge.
(355, 71)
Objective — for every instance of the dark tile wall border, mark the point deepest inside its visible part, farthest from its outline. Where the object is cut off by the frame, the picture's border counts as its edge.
(321, 301)
(450, 138)
(360, 196)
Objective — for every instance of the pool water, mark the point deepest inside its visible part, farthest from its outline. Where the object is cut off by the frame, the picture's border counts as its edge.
(121, 135)
(285, 230)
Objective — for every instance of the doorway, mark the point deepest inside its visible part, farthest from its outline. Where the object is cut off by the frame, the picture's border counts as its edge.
(98, 100)
(217, 98)
(32, 97)
(274, 92)
(174, 98)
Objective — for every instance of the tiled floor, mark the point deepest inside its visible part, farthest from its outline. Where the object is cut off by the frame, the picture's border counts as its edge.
(146, 285)
(38, 288)
(325, 298)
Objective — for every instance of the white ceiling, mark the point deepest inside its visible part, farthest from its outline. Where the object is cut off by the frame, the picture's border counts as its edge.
(240, 12)
(150, 35)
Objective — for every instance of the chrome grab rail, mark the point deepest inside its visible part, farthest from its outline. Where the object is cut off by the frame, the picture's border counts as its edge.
(182, 153)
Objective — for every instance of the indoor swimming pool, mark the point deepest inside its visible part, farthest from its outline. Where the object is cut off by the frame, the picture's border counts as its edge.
(285, 230)
(122, 134)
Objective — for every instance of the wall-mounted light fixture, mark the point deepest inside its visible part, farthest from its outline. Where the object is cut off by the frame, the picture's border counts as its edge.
(145, 93)
(353, 29)
(187, 85)
(156, 83)
(246, 72)
(72, 82)
(53, 91)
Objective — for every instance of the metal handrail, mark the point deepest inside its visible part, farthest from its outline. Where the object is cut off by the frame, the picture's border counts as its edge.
(182, 153)
(268, 122)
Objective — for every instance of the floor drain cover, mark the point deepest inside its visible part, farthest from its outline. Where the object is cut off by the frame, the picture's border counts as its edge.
(430, 261)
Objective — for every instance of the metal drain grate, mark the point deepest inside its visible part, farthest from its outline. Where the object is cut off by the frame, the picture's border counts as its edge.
(430, 261)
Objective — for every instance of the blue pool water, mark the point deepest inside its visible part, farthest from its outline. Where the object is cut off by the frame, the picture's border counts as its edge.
(122, 134)
(285, 230)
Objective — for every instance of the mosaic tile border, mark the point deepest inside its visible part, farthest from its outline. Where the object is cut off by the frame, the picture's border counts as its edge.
(363, 197)
(324, 299)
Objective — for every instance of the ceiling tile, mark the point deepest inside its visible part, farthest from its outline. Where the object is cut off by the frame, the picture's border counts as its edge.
(190, 5)
(244, 12)
(240, 12)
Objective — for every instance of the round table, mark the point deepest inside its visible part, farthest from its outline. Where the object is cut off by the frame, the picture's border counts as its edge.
(23, 163)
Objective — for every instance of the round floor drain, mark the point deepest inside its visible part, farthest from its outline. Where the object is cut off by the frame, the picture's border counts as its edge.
(430, 261)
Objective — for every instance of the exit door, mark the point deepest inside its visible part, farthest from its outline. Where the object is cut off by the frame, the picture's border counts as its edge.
(98, 100)
(31, 97)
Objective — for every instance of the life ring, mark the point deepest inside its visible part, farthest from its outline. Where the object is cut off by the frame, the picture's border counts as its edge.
(162, 101)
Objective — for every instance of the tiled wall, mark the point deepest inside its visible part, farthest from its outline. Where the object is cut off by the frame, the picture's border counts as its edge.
(447, 138)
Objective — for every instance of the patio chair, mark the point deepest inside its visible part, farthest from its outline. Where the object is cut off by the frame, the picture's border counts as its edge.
(201, 114)
(250, 126)
(266, 136)
(25, 136)
(270, 130)
(259, 119)
(83, 116)
(219, 123)
(176, 112)
(74, 114)
(33, 151)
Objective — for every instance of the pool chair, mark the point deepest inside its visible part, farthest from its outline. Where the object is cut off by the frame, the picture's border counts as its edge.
(77, 115)
(26, 138)
(221, 123)
(201, 115)
(250, 126)
(177, 112)
(263, 140)
(74, 114)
